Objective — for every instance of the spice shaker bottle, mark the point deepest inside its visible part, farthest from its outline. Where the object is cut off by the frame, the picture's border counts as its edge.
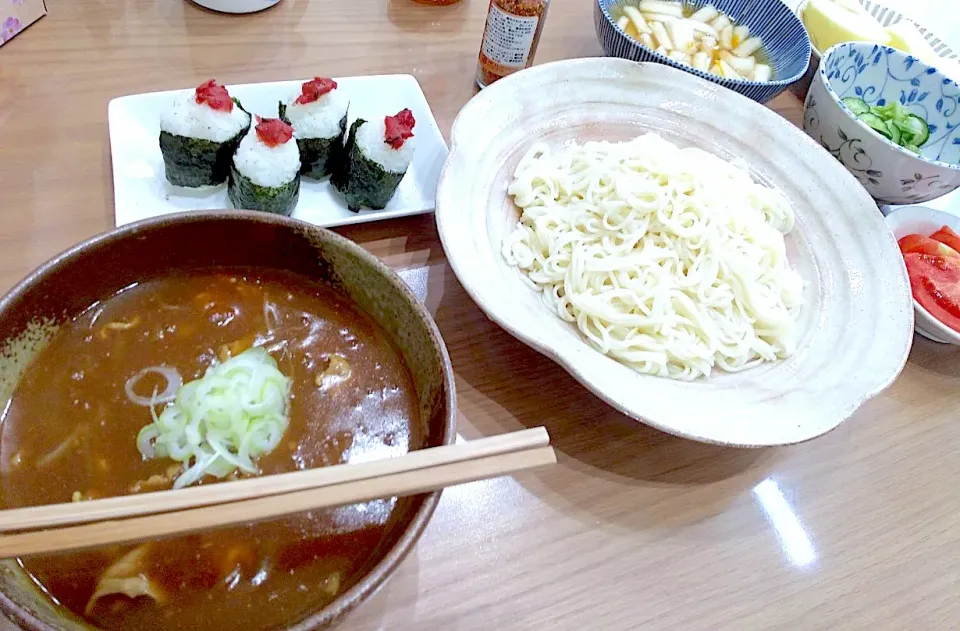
(510, 38)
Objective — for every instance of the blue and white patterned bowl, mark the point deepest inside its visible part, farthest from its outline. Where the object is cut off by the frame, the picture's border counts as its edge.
(879, 75)
(784, 38)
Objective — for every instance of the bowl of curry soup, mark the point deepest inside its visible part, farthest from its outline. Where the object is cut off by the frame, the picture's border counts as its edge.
(112, 351)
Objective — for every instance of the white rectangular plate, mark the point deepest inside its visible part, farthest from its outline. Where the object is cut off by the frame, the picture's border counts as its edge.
(141, 190)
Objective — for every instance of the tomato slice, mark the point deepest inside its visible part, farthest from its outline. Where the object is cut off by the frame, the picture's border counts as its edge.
(919, 244)
(948, 237)
(935, 281)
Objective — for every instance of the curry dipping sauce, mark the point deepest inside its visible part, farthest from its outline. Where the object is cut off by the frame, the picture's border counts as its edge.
(69, 432)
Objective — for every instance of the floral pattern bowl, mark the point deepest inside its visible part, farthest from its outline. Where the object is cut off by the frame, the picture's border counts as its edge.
(880, 75)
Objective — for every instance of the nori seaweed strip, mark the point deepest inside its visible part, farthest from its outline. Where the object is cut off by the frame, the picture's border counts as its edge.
(317, 155)
(361, 181)
(341, 171)
(246, 195)
(194, 162)
(197, 162)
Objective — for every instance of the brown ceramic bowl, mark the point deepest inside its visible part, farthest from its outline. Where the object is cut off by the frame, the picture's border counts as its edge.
(71, 281)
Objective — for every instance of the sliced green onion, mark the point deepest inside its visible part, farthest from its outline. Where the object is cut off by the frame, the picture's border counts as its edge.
(173, 379)
(223, 421)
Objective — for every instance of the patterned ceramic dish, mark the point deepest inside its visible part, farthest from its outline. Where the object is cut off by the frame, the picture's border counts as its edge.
(880, 74)
(885, 16)
(855, 328)
(784, 37)
(925, 221)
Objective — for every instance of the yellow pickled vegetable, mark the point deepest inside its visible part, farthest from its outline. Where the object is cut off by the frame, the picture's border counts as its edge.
(851, 5)
(905, 36)
(829, 23)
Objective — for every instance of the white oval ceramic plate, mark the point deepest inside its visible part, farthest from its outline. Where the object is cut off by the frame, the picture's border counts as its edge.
(855, 329)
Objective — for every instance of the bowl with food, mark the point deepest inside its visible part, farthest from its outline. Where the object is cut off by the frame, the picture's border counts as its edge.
(892, 120)
(236, 6)
(930, 243)
(756, 49)
(688, 255)
(831, 22)
(206, 347)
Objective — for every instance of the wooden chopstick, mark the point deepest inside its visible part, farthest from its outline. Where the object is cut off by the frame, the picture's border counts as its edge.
(168, 501)
(408, 482)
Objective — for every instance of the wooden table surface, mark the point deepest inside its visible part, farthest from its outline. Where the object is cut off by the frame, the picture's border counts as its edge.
(634, 529)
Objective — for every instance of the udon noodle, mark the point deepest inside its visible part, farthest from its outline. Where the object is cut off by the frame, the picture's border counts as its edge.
(670, 260)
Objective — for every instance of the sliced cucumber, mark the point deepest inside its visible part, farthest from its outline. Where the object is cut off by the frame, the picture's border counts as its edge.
(856, 105)
(894, 131)
(876, 123)
(923, 132)
(892, 121)
(909, 128)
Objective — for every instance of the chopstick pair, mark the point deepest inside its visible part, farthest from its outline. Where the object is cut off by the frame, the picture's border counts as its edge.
(126, 519)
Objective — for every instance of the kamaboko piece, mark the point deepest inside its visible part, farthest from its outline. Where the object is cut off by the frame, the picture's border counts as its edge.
(377, 157)
(224, 421)
(199, 133)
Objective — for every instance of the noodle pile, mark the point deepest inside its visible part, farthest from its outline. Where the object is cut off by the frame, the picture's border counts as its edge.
(670, 260)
